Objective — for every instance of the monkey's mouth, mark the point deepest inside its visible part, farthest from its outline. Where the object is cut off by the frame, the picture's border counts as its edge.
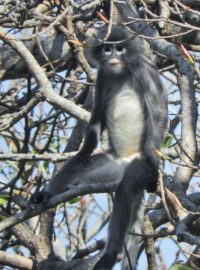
(114, 62)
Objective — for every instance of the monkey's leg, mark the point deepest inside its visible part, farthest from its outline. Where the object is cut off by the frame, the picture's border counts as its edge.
(127, 202)
(101, 168)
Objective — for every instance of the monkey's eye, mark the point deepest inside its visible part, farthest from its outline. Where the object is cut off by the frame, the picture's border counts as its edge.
(107, 50)
(120, 50)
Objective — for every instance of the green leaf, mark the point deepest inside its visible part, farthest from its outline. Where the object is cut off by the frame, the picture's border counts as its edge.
(46, 164)
(33, 151)
(179, 267)
(3, 199)
(168, 141)
(75, 200)
(3, 218)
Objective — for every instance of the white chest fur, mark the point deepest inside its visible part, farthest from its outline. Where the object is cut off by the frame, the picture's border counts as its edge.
(125, 121)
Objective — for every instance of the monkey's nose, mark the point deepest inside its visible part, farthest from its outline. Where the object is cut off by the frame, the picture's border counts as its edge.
(113, 61)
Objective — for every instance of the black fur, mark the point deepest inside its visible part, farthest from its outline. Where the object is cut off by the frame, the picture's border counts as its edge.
(129, 85)
(141, 173)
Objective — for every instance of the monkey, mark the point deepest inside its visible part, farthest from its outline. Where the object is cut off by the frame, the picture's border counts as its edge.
(131, 104)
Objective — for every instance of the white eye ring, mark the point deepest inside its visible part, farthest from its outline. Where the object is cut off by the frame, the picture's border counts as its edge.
(107, 50)
(120, 50)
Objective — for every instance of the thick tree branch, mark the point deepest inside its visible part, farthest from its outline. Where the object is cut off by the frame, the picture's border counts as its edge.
(55, 47)
(54, 201)
(188, 134)
(47, 156)
(149, 244)
(15, 261)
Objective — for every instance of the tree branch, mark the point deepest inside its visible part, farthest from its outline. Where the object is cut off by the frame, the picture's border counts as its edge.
(54, 201)
(15, 261)
(44, 85)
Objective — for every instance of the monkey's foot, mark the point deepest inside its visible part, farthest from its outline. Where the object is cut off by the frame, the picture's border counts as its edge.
(106, 262)
(40, 197)
(152, 186)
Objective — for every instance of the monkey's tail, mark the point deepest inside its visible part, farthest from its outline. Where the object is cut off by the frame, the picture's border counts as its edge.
(133, 242)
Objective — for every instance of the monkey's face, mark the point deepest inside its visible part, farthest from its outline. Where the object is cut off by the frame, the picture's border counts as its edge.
(113, 57)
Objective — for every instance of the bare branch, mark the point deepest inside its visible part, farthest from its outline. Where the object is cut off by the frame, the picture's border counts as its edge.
(42, 80)
(188, 140)
(63, 197)
(15, 261)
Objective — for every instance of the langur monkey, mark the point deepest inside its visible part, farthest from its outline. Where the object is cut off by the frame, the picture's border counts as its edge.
(131, 104)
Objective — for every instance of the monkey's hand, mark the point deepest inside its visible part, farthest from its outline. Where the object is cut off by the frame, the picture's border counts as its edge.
(90, 143)
(40, 197)
(83, 157)
(151, 171)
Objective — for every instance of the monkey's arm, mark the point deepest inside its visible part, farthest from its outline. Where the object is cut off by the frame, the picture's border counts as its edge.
(156, 123)
(90, 141)
(94, 129)
(92, 135)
